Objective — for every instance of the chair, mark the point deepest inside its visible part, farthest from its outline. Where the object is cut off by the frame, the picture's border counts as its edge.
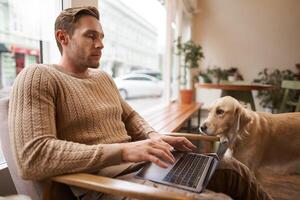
(56, 187)
(30, 188)
(289, 86)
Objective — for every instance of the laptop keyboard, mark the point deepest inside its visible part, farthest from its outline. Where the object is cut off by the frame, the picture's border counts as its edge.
(188, 170)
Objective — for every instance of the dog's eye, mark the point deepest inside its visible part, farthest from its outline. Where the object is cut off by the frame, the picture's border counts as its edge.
(219, 111)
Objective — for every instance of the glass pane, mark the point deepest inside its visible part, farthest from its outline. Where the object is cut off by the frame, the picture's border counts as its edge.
(23, 26)
(134, 45)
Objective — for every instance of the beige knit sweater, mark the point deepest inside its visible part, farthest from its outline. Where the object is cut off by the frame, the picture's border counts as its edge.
(61, 123)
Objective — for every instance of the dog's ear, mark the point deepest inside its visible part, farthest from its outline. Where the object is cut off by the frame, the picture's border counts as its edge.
(243, 104)
(243, 118)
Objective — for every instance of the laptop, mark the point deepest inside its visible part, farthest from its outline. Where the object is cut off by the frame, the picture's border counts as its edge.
(191, 171)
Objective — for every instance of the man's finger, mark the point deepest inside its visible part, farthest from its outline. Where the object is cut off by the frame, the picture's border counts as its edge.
(165, 144)
(189, 144)
(180, 148)
(183, 147)
(161, 154)
(157, 161)
(165, 147)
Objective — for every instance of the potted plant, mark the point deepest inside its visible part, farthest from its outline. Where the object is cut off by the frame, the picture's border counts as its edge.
(234, 74)
(191, 53)
(214, 75)
(219, 74)
(271, 100)
(204, 77)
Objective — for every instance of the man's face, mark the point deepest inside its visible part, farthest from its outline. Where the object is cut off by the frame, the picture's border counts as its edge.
(85, 45)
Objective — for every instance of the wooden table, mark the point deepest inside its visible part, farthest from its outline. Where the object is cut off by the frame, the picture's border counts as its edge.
(241, 92)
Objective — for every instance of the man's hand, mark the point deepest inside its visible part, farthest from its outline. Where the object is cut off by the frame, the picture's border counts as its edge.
(154, 150)
(179, 143)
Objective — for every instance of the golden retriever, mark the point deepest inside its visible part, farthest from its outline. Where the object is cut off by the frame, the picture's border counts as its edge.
(257, 139)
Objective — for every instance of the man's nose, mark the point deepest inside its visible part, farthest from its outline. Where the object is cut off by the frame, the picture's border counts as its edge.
(203, 127)
(99, 44)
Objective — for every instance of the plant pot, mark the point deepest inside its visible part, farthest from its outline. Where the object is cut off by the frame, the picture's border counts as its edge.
(186, 96)
(215, 80)
(201, 79)
(231, 78)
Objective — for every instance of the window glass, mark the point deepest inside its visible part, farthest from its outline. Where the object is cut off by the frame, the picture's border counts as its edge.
(25, 27)
(134, 44)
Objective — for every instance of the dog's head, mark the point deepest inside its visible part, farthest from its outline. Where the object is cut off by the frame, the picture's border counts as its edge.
(226, 116)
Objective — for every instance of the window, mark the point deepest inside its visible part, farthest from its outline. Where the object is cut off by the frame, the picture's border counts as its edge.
(134, 44)
(133, 41)
(25, 28)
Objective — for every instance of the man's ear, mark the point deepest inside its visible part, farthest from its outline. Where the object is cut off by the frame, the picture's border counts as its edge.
(62, 37)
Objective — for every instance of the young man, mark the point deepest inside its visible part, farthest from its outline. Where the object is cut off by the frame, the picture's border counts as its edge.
(70, 117)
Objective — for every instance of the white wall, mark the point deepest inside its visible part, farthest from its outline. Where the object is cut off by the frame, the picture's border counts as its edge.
(249, 34)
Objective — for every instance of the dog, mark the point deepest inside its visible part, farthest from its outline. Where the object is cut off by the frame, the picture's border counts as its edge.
(260, 140)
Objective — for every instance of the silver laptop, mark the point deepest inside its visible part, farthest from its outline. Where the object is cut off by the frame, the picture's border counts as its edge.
(191, 171)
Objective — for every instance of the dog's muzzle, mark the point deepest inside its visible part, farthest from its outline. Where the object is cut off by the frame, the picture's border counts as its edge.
(203, 129)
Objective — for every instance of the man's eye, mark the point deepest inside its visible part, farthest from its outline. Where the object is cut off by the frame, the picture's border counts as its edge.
(91, 36)
(219, 112)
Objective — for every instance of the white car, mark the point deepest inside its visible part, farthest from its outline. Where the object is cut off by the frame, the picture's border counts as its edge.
(138, 85)
(156, 74)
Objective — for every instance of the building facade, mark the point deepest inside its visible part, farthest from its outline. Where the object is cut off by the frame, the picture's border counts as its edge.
(19, 48)
(130, 41)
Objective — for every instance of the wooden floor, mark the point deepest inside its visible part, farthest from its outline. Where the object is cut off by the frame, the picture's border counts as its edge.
(282, 187)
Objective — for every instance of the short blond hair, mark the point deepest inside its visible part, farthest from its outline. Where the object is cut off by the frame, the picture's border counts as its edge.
(67, 19)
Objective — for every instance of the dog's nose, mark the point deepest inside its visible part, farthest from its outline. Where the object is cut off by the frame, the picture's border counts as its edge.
(203, 128)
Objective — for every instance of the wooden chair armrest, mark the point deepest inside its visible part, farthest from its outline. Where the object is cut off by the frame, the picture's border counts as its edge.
(117, 187)
(195, 136)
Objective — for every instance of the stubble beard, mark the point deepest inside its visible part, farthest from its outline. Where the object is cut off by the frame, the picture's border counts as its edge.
(94, 66)
(86, 63)
(83, 61)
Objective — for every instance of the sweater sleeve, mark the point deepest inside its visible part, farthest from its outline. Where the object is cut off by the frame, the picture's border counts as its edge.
(32, 124)
(136, 126)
